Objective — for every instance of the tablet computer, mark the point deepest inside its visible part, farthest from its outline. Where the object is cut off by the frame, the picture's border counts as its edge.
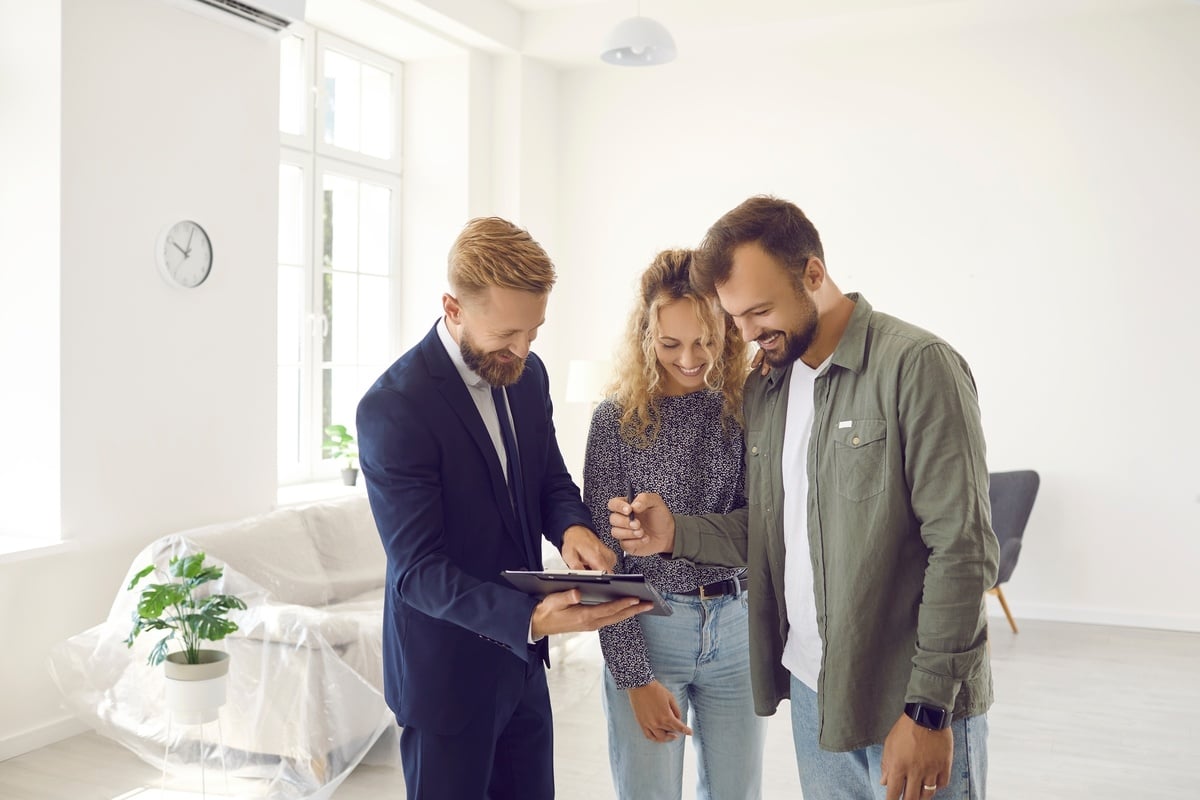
(594, 586)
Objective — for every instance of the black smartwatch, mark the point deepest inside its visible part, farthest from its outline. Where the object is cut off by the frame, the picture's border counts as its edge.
(928, 716)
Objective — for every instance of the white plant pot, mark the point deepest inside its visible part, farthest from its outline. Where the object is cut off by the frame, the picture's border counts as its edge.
(195, 692)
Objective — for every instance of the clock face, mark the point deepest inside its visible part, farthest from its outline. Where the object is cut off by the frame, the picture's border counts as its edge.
(185, 254)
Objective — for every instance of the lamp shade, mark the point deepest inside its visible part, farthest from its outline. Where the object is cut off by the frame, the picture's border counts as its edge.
(638, 42)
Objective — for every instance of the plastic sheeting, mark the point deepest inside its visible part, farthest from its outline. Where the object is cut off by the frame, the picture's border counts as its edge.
(305, 702)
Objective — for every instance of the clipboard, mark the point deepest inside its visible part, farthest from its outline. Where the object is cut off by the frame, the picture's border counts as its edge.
(594, 587)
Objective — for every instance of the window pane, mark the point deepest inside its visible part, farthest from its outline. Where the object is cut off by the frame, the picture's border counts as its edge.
(343, 318)
(291, 214)
(288, 414)
(342, 99)
(375, 230)
(342, 390)
(341, 222)
(376, 112)
(291, 315)
(293, 94)
(374, 342)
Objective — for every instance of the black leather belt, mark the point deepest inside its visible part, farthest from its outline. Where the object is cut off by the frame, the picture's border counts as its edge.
(734, 586)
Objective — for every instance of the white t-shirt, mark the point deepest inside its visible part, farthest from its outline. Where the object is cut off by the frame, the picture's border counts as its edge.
(802, 651)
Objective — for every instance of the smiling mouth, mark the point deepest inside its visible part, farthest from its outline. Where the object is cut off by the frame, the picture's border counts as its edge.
(691, 373)
(767, 342)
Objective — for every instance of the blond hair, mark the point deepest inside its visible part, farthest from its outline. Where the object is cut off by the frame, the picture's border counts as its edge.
(640, 380)
(492, 251)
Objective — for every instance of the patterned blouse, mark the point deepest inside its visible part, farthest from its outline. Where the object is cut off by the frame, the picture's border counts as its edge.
(696, 464)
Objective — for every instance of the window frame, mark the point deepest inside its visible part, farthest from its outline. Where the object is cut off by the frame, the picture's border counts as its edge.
(316, 159)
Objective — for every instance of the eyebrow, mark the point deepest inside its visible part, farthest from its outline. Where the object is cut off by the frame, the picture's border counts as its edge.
(511, 331)
(751, 309)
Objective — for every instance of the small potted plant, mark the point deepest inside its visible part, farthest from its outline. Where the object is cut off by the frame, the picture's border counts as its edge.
(195, 676)
(340, 443)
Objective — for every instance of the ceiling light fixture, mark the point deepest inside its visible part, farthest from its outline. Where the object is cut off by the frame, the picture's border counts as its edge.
(638, 42)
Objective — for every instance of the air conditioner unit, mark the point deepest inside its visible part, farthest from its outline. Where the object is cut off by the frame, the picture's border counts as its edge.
(263, 16)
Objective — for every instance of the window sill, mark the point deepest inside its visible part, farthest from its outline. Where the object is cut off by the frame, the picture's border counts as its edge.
(301, 493)
(17, 548)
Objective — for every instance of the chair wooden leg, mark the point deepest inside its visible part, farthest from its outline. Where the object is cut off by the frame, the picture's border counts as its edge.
(1004, 604)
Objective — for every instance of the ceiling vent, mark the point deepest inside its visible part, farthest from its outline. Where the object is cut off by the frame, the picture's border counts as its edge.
(264, 16)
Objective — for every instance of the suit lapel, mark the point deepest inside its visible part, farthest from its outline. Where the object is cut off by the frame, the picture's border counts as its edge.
(450, 385)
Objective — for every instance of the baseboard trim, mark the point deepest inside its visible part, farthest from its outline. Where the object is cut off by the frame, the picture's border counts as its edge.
(30, 740)
(1091, 616)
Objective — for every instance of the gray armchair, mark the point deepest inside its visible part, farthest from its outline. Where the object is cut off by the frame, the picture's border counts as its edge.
(1012, 495)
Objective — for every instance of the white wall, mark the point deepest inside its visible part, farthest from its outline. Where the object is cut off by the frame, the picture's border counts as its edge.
(29, 228)
(1025, 187)
(168, 395)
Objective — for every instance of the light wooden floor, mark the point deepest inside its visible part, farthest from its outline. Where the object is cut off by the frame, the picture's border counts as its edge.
(1081, 712)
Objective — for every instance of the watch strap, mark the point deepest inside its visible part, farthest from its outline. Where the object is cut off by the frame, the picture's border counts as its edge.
(928, 716)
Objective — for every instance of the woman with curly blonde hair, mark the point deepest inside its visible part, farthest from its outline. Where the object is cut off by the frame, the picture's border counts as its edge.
(672, 425)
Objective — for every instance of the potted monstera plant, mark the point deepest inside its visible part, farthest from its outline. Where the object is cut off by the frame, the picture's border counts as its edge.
(196, 676)
(340, 443)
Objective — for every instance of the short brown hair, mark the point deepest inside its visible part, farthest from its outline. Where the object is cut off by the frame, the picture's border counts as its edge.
(492, 251)
(779, 227)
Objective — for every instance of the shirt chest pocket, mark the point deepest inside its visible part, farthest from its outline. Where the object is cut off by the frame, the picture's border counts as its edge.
(860, 458)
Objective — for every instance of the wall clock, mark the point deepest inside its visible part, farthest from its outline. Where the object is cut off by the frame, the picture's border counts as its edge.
(184, 254)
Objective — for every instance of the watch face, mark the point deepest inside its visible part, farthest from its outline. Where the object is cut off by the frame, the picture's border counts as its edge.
(185, 254)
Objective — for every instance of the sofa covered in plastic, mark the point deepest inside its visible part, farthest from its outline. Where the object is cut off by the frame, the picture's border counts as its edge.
(305, 698)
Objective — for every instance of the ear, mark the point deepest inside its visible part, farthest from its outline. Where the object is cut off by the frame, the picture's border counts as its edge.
(452, 308)
(814, 274)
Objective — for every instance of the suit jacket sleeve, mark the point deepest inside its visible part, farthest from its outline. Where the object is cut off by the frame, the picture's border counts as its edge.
(402, 463)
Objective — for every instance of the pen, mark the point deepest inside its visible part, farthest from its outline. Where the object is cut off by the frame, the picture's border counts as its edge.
(630, 496)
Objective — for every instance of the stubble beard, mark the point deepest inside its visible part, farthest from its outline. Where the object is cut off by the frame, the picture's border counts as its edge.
(795, 344)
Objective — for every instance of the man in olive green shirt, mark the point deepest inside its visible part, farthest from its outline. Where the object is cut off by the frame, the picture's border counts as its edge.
(867, 537)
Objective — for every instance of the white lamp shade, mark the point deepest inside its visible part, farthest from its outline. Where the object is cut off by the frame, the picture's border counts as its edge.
(638, 42)
(586, 380)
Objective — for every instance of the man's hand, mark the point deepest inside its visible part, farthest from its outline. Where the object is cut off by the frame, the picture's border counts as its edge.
(643, 527)
(582, 549)
(562, 612)
(914, 758)
(657, 712)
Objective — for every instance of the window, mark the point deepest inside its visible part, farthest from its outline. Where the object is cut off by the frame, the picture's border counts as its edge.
(339, 207)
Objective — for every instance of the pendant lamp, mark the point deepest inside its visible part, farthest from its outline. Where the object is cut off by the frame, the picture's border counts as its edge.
(638, 42)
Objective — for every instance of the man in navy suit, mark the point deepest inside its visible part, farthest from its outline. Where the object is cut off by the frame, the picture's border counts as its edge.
(465, 476)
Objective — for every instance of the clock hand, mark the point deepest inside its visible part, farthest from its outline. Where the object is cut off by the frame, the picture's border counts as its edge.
(191, 233)
(186, 253)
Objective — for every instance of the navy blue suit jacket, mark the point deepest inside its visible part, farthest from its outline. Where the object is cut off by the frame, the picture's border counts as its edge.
(442, 507)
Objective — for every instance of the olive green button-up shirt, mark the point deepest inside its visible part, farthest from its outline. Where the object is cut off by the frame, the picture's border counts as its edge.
(899, 531)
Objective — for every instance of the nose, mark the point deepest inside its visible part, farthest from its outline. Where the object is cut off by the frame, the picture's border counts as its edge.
(749, 330)
(691, 358)
(521, 347)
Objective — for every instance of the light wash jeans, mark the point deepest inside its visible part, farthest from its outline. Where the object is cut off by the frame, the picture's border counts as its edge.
(700, 653)
(855, 775)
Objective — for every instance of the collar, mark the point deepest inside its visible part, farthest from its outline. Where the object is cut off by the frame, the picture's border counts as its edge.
(469, 376)
(851, 350)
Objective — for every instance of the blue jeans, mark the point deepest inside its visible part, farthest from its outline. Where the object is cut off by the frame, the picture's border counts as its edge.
(701, 653)
(855, 775)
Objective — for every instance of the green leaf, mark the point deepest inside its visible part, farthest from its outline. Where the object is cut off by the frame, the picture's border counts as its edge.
(159, 653)
(159, 596)
(146, 571)
(188, 566)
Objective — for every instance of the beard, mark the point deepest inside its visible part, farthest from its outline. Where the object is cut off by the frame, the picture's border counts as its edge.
(795, 342)
(489, 366)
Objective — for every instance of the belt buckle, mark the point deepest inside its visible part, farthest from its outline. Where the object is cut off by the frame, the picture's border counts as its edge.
(703, 596)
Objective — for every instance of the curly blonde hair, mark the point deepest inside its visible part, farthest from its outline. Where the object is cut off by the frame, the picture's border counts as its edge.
(639, 381)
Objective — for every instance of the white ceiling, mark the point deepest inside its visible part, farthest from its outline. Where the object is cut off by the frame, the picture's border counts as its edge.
(571, 32)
